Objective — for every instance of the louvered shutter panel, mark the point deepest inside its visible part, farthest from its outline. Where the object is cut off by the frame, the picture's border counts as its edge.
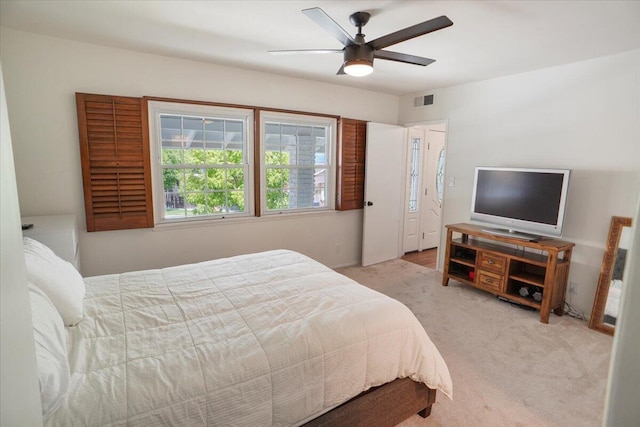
(116, 170)
(351, 164)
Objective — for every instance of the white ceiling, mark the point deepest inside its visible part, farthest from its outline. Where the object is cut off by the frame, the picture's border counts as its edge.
(488, 38)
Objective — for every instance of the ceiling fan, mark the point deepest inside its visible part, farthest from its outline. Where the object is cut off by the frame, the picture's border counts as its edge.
(358, 54)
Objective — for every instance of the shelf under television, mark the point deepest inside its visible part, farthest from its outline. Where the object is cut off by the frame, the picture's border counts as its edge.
(502, 265)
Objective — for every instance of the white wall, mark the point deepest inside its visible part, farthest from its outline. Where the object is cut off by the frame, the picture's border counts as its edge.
(581, 116)
(621, 408)
(19, 390)
(43, 73)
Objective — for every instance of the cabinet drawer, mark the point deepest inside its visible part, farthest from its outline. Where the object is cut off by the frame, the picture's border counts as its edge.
(490, 280)
(492, 262)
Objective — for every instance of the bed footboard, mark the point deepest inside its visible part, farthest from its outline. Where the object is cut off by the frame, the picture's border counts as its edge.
(386, 405)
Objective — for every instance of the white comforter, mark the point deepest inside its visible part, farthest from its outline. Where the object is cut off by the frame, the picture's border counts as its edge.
(256, 340)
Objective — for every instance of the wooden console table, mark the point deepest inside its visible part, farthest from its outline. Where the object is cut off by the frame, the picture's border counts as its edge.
(502, 265)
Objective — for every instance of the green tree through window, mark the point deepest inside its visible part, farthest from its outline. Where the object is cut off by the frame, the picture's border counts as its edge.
(204, 168)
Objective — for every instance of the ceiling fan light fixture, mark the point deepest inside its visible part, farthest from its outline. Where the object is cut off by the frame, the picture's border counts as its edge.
(358, 67)
(359, 54)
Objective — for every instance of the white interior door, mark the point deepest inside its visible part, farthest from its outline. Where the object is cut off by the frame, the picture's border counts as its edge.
(383, 193)
(434, 185)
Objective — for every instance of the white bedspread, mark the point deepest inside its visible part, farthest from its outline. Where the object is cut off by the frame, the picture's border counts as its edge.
(256, 340)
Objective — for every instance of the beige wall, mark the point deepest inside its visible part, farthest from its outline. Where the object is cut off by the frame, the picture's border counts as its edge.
(581, 116)
(43, 73)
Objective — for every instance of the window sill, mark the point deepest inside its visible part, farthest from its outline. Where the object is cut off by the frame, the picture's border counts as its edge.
(240, 220)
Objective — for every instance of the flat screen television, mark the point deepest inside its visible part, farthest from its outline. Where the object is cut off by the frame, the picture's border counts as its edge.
(520, 202)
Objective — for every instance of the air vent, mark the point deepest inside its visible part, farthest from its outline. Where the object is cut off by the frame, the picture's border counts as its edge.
(420, 101)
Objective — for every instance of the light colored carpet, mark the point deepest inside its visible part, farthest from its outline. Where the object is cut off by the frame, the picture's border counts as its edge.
(508, 369)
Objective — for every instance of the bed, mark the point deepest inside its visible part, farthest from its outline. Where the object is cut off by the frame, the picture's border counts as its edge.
(273, 338)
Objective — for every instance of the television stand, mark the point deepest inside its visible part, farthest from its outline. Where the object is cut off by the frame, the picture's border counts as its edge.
(490, 262)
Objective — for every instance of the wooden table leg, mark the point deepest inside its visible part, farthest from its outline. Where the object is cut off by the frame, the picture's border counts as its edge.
(445, 270)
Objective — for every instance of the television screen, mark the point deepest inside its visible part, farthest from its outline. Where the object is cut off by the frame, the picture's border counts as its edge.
(527, 200)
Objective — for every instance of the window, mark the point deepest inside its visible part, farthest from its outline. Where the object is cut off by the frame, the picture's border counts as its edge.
(414, 175)
(296, 155)
(194, 161)
(201, 161)
(440, 175)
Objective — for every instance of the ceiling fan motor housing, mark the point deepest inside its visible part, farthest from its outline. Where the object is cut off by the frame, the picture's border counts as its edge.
(358, 53)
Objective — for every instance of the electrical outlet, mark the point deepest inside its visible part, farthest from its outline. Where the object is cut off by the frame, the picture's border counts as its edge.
(337, 248)
(573, 288)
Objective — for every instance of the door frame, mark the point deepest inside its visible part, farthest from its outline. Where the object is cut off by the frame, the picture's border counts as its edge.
(427, 123)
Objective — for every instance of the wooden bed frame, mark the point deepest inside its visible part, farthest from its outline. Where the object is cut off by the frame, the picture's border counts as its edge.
(386, 405)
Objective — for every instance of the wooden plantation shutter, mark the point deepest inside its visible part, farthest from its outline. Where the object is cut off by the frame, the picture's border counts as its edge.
(116, 170)
(351, 161)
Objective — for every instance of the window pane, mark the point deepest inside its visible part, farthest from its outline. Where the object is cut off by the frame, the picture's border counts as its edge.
(301, 187)
(277, 199)
(272, 137)
(192, 134)
(215, 145)
(193, 157)
(214, 131)
(216, 179)
(290, 154)
(277, 178)
(288, 132)
(319, 134)
(171, 179)
(195, 180)
(233, 154)
(414, 175)
(300, 149)
(214, 156)
(171, 131)
(235, 179)
(216, 201)
(196, 152)
(233, 131)
(320, 188)
(236, 201)
(172, 156)
(174, 192)
(440, 175)
(196, 204)
(277, 157)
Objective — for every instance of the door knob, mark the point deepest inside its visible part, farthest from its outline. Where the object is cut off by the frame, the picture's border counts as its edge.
(369, 203)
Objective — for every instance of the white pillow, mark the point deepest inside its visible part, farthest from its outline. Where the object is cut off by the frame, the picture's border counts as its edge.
(57, 278)
(51, 351)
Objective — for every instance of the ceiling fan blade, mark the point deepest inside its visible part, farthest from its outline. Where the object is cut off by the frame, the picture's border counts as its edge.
(402, 57)
(411, 32)
(325, 21)
(304, 51)
(341, 70)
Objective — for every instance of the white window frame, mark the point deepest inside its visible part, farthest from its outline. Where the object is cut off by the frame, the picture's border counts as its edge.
(302, 120)
(155, 109)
